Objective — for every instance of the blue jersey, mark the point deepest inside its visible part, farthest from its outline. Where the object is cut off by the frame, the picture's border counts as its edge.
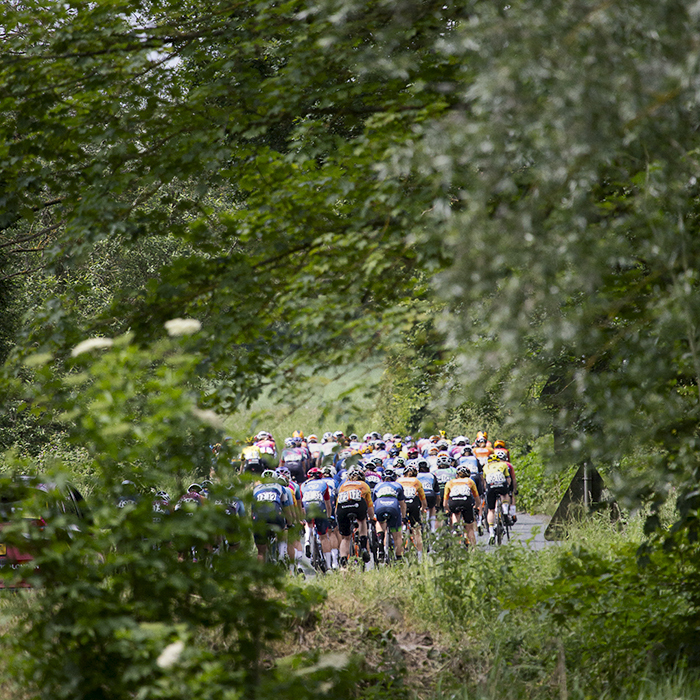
(428, 482)
(471, 461)
(314, 493)
(267, 496)
(388, 494)
(340, 477)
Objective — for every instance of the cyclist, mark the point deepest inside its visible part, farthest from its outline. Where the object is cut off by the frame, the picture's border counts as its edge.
(482, 448)
(460, 500)
(333, 535)
(444, 472)
(372, 477)
(354, 498)
(431, 488)
(497, 478)
(432, 456)
(267, 448)
(314, 447)
(316, 502)
(273, 509)
(252, 459)
(390, 509)
(503, 454)
(398, 466)
(415, 503)
(294, 459)
(472, 463)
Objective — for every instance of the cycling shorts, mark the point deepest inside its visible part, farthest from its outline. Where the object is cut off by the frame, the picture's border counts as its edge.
(296, 470)
(343, 512)
(413, 511)
(465, 506)
(391, 515)
(479, 483)
(254, 466)
(322, 525)
(431, 499)
(268, 522)
(492, 494)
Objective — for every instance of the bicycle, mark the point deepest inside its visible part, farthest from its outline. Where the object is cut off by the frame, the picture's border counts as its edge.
(360, 555)
(315, 551)
(501, 523)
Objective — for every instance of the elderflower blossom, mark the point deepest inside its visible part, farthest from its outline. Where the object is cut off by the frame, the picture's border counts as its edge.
(91, 344)
(182, 326)
(170, 655)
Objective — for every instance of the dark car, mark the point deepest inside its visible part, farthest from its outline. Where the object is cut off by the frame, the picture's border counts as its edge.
(15, 493)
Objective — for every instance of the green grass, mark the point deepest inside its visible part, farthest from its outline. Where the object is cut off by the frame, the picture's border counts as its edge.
(329, 402)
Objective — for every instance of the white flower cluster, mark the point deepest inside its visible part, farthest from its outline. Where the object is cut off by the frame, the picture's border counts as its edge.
(91, 344)
(182, 326)
(170, 655)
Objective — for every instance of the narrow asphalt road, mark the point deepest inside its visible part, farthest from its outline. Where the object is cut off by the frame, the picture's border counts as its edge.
(528, 531)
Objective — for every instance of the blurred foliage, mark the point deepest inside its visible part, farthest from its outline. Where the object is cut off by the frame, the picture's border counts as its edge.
(122, 592)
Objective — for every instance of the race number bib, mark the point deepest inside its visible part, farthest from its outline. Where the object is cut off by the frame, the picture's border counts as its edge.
(495, 478)
(351, 495)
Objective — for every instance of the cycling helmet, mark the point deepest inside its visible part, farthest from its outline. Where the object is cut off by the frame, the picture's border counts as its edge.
(467, 450)
(379, 445)
(289, 442)
(462, 471)
(353, 437)
(327, 471)
(338, 434)
(298, 434)
(412, 452)
(356, 474)
(268, 474)
(377, 461)
(375, 435)
(499, 443)
(399, 462)
(312, 438)
(327, 436)
(444, 460)
(443, 444)
(389, 475)
(314, 473)
(163, 496)
(394, 452)
(501, 454)
(460, 440)
(433, 450)
(284, 473)
(493, 457)
(411, 469)
(423, 465)
(197, 488)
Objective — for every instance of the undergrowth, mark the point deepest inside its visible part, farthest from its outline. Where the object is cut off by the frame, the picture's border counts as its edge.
(606, 614)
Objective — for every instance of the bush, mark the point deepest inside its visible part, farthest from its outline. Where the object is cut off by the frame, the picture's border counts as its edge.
(122, 599)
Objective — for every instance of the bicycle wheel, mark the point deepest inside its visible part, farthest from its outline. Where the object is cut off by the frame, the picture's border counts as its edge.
(499, 523)
(318, 561)
(373, 543)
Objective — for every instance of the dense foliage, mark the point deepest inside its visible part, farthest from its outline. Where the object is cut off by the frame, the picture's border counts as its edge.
(304, 177)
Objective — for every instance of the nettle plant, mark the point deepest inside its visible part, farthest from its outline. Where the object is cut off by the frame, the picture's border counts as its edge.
(131, 603)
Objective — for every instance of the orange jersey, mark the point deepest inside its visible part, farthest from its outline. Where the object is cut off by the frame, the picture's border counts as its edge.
(460, 487)
(354, 491)
(412, 488)
(482, 453)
